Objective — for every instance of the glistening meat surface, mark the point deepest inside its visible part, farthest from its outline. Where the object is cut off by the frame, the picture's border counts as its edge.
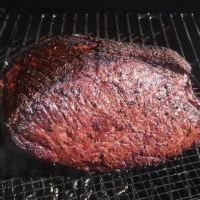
(98, 105)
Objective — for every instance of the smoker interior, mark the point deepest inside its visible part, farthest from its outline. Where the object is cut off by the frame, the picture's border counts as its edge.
(22, 177)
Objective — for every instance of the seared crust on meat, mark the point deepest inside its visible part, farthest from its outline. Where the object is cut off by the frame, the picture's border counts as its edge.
(98, 105)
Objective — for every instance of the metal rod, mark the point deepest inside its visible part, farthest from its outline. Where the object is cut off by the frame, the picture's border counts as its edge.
(169, 180)
(94, 184)
(106, 25)
(125, 182)
(163, 30)
(185, 174)
(140, 29)
(139, 174)
(117, 28)
(102, 184)
(43, 186)
(179, 44)
(193, 170)
(11, 41)
(195, 24)
(106, 182)
(189, 39)
(198, 152)
(97, 25)
(153, 190)
(135, 192)
(74, 23)
(152, 30)
(192, 45)
(39, 28)
(130, 34)
(4, 24)
(63, 24)
(176, 34)
(50, 33)
(14, 31)
(86, 24)
(27, 30)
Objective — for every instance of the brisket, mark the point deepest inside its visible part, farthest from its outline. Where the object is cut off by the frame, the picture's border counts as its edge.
(99, 105)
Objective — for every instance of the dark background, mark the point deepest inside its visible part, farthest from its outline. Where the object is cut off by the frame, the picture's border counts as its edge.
(142, 5)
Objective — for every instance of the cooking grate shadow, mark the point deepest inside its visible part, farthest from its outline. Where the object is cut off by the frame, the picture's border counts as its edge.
(22, 177)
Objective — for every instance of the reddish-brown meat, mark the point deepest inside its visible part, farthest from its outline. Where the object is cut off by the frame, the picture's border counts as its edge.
(99, 105)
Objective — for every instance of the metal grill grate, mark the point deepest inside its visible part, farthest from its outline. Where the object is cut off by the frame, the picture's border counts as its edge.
(178, 178)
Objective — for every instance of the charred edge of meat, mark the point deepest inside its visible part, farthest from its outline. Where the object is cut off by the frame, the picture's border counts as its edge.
(150, 54)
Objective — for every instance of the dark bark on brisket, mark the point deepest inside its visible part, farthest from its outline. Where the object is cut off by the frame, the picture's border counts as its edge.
(98, 105)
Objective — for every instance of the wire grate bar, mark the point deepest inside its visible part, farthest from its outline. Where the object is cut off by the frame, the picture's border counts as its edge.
(195, 24)
(117, 27)
(86, 24)
(198, 152)
(50, 33)
(176, 34)
(140, 29)
(129, 28)
(124, 181)
(186, 177)
(74, 190)
(169, 168)
(39, 28)
(152, 30)
(97, 25)
(63, 24)
(106, 25)
(117, 179)
(169, 181)
(14, 31)
(163, 30)
(182, 160)
(189, 38)
(30, 18)
(92, 185)
(75, 23)
(56, 185)
(4, 25)
(11, 41)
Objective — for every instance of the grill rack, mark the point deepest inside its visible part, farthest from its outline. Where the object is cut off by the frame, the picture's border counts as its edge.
(178, 178)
